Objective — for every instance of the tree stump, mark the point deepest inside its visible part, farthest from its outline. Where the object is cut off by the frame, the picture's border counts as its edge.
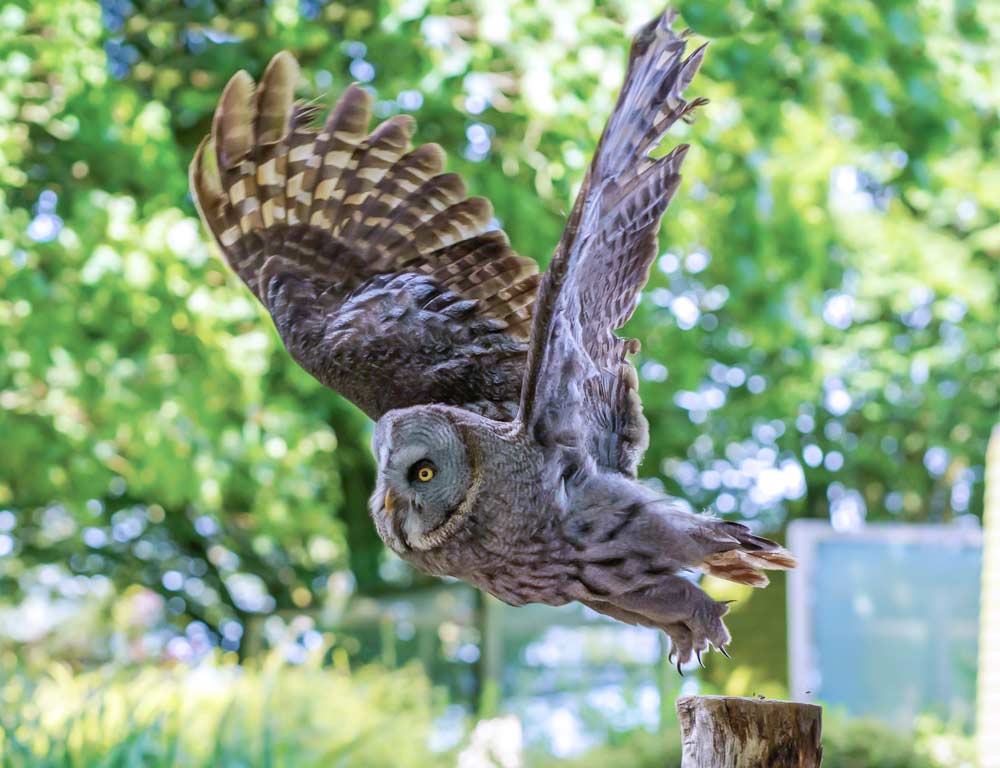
(735, 732)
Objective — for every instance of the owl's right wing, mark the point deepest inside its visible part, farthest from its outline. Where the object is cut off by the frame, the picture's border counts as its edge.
(385, 282)
(580, 389)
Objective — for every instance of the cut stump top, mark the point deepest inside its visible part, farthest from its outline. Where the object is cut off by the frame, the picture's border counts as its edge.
(744, 732)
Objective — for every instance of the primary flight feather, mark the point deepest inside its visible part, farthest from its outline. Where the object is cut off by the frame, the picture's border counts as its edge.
(509, 425)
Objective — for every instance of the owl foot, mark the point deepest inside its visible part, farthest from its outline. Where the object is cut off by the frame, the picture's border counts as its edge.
(707, 626)
(704, 629)
(691, 619)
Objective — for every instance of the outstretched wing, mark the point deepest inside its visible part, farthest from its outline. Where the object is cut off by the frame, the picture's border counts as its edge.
(580, 390)
(384, 280)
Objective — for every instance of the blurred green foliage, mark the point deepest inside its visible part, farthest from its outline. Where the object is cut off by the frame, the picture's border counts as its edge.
(218, 715)
(320, 713)
(821, 329)
(267, 714)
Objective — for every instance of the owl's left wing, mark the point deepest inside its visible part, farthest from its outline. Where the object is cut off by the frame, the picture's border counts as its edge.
(384, 280)
(580, 389)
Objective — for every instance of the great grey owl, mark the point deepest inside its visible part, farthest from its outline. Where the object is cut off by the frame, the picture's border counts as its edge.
(509, 422)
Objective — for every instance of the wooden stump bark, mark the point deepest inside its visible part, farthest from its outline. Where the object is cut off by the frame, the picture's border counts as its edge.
(734, 732)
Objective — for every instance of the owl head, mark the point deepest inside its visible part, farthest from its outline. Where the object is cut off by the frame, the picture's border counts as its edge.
(424, 477)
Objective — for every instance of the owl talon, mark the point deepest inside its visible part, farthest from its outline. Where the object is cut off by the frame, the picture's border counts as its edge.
(679, 670)
(724, 652)
(706, 626)
(700, 662)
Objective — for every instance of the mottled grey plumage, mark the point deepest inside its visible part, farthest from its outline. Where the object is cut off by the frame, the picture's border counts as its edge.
(505, 460)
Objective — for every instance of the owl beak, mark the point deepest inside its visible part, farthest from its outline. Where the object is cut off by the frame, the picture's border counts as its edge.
(388, 502)
(399, 535)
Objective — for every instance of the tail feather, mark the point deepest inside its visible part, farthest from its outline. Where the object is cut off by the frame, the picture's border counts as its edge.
(745, 562)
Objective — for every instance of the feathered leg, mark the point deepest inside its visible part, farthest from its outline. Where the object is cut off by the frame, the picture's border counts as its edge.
(682, 637)
(630, 544)
(682, 610)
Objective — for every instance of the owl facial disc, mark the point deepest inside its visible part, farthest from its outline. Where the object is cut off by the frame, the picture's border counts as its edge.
(423, 476)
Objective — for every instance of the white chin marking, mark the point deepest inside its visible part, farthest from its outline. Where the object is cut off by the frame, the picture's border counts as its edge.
(411, 527)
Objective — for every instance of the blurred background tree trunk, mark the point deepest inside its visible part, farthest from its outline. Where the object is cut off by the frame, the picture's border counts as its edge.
(490, 667)
(357, 472)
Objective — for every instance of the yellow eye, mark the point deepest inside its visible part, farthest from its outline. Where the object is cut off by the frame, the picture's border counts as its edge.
(425, 474)
(422, 472)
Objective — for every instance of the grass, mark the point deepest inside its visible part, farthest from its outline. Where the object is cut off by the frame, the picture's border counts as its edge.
(217, 714)
(271, 715)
